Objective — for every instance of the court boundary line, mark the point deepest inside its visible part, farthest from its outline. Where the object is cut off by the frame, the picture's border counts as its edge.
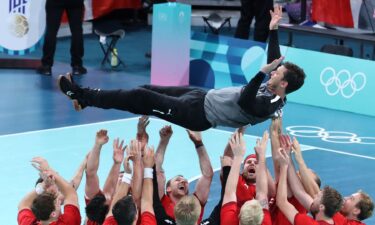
(306, 147)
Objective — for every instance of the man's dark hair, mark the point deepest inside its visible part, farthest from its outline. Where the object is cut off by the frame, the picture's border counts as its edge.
(125, 211)
(96, 209)
(295, 76)
(332, 201)
(43, 205)
(366, 205)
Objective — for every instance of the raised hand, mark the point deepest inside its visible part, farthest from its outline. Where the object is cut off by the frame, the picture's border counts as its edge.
(118, 151)
(126, 163)
(272, 66)
(142, 135)
(285, 142)
(149, 157)
(276, 16)
(242, 130)
(101, 137)
(195, 137)
(261, 145)
(143, 122)
(40, 164)
(237, 144)
(296, 149)
(165, 133)
(135, 151)
(283, 157)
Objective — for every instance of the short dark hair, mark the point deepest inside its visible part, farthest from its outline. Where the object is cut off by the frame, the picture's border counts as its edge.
(332, 201)
(43, 205)
(366, 205)
(125, 211)
(295, 76)
(96, 209)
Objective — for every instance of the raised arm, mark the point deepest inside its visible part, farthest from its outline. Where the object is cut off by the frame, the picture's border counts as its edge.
(165, 135)
(273, 43)
(307, 177)
(281, 198)
(261, 106)
(297, 187)
(275, 132)
(77, 178)
(135, 155)
(142, 135)
(147, 190)
(237, 144)
(118, 155)
(92, 180)
(261, 172)
(202, 188)
(41, 165)
(27, 200)
(122, 187)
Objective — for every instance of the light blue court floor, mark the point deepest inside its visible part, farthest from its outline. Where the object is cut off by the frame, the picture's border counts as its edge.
(65, 148)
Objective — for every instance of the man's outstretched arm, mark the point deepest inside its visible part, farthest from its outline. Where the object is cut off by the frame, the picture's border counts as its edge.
(248, 101)
(273, 43)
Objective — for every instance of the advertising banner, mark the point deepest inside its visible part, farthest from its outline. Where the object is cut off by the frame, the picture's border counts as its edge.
(22, 25)
(333, 81)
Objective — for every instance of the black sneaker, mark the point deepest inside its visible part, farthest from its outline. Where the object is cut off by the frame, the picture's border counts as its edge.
(44, 70)
(79, 70)
(73, 91)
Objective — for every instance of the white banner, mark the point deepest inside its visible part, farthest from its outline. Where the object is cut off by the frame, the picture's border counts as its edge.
(22, 25)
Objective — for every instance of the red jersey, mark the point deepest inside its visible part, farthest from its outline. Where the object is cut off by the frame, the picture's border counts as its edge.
(71, 216)
(304, 219)
(169, 205)
(340, 219)
(230, 211)
(279, 218)
(147, 218)
(244, 191)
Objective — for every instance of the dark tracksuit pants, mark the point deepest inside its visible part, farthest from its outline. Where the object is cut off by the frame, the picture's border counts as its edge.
(183, 106)
(54, 12)
(260, 9)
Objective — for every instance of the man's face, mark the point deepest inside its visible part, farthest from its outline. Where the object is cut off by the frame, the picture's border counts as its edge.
(249, 170)
(350, 202)
(179, 186)
(314, 209)
(58, 202)
(276, 81)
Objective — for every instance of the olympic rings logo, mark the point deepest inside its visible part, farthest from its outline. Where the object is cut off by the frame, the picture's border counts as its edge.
(342, 82)
(340, 137)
